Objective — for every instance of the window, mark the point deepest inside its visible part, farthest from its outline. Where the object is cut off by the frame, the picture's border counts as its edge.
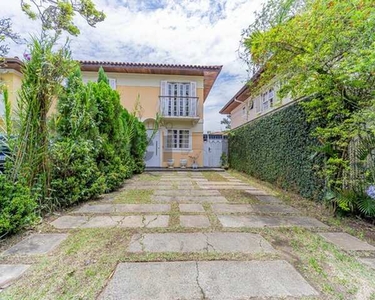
(112, 83)
(244, 111)
(179, 94)
(271, 97)
(178, 99)
(267, 100)
(178, 139)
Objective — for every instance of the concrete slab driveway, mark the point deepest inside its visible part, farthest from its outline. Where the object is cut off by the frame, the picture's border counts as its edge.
(171, 235)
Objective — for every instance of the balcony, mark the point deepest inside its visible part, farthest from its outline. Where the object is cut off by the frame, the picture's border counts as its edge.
(181, 108)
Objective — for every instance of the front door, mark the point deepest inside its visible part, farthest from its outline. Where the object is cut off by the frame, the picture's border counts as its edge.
(152, 157)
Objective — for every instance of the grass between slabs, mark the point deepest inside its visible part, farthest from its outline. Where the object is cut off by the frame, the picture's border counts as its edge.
(213, 176)
(318, 210)
(336, 274)
(239, 196)
(148, 177)
(79, 269)
(83, 264)
(134, 196)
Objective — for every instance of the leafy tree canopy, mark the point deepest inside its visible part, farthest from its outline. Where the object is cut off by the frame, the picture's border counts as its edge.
(58, 15)
(324, 48)
(227, 122)
(6, 32)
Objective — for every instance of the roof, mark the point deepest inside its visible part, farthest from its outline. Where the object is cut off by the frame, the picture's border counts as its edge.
(210, 73)
(12, 63)
(236, 100)
(243, 94)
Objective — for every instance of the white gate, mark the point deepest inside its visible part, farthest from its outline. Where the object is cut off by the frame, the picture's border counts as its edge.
(214, 146)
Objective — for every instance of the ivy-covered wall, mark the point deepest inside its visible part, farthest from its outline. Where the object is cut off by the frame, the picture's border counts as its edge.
(278, 148)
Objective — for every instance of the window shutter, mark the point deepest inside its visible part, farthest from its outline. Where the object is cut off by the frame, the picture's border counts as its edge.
(163, 88)
(112, 83)
(163, 101)
(257, 102)
(194, 101)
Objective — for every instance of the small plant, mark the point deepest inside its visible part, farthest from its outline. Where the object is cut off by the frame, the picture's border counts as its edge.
(17, 206)
(194, 158)
(224, 161)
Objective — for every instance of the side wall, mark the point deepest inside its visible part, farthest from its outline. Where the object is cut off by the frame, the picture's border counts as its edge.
(12, 80)
(278, 148)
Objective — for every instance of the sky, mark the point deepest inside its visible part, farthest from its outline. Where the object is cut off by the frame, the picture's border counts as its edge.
(202, 32)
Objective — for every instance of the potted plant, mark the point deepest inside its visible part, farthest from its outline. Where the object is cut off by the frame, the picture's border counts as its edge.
(194, 158)
(170, 163)
(183, 163)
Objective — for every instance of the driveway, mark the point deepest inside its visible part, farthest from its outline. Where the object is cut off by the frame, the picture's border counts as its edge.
(177, 235)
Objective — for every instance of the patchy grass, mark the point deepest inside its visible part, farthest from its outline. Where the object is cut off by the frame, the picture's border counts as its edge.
(148, 177)
(239, 196)
(336, 274)
(213, 176)
(79, 269)
(174, 216)
(215, 223)
(134, 196)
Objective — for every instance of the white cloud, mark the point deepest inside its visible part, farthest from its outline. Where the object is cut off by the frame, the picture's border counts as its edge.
(186, 32)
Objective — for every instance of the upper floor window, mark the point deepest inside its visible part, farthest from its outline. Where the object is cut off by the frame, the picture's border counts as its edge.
(112, 83)
(179, 99)
(266, 101)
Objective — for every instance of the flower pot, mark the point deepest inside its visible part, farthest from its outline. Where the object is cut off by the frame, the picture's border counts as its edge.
(194, 166)
(183, 163)
(170, 163)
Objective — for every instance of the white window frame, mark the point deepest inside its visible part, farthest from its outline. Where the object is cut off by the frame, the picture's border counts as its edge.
(271, 97)
(184, 103)
(266, 100)
(112, 83)
(177, 142)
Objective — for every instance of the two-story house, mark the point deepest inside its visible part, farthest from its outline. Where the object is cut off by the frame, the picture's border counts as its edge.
(175, 93)
(246, 106)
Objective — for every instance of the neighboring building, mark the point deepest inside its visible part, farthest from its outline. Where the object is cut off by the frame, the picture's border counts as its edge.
(175, 92)
(245, 106)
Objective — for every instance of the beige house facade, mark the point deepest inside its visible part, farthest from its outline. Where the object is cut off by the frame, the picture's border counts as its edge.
(244, 106)
(172, 96)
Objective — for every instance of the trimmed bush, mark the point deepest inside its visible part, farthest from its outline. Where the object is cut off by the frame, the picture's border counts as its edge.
(76, 176)
(278, 148)
(17, 207)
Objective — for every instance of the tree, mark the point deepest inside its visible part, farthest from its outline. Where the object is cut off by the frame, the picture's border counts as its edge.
(6, 32)
(43, 75)
(58, 15)
(227, 122)
(41, 82)
(324, 49)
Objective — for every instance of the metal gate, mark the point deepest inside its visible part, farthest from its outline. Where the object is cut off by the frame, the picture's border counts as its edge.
(214, 146)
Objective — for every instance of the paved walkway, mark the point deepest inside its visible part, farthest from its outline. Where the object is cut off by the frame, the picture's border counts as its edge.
(183, 212)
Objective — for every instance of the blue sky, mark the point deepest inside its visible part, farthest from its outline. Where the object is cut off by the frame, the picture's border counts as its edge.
(204, 32)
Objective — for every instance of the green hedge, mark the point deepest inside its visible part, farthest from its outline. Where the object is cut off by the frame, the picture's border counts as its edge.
(278, 148)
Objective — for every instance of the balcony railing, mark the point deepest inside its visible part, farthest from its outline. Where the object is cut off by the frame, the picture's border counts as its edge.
(180, 106)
